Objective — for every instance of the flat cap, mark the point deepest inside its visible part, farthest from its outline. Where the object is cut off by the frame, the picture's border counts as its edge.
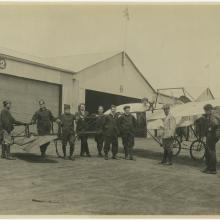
(126, 106)
(5, 102)
(41, 102)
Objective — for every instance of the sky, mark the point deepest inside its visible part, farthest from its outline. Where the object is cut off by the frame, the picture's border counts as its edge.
(172, 45)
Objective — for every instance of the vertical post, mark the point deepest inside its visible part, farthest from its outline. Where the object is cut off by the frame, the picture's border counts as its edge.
(123, 58)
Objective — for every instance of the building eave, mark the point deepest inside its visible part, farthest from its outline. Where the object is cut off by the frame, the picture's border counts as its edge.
(6, 56)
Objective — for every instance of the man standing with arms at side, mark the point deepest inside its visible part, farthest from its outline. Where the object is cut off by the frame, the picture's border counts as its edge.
(211, 140)
(127, 124)
(67, 131)
(111, 132)
(99, 138)
(81, 126)
(169, 127)
(7, 123)
(44, 119)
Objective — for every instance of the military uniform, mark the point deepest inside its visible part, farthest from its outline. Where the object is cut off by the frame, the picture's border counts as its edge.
(81, 126)
(211, 140)
(127, 124)
(44, 119)
(7, 123)
(67, 132)
(99, 138)
(110, 132)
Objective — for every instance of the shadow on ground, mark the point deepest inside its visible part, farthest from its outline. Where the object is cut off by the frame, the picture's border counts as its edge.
(180, 159)
(33, 158)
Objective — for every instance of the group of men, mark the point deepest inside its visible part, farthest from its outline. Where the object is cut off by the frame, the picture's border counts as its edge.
(108, 128)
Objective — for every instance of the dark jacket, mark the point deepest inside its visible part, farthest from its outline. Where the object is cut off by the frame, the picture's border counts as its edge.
(127, 124)
(99, 123)
(67, 123)
(7, 121)
(110, 125)
(44, 119)
(81, 124)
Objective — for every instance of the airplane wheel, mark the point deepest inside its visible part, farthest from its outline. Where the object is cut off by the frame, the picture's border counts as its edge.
(197, 150)
(176, 147)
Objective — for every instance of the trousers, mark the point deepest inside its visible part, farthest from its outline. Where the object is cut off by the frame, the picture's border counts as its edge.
(68, 138)
(210, 152)
(111, 141)
(99, 141)
(84, 145)
(128, 143)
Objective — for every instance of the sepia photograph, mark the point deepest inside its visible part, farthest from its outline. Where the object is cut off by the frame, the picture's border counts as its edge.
(109, 109)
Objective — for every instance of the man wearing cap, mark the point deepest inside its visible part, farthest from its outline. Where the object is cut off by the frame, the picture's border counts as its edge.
(44, 119)
(81, 126)
(169, 127)
(127, 124)
(67, 131)
(99, 138)
(7, 123)
(211, 140)
(111, 132)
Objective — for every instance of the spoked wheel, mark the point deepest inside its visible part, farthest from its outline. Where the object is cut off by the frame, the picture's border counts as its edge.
(176, 147)
(197, 150)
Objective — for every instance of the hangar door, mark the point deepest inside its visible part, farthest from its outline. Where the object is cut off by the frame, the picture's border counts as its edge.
(94, 98)
(25, 94)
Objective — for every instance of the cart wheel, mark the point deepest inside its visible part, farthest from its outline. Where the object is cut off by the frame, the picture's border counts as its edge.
(176, 147)
(58, 147)
(197, 150)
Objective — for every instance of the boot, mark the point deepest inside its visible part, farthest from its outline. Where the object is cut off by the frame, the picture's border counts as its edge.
(131, 157)
(106, 157)
(71, 154)
(3, 151)
(164, 160)
(8, 155)
(64, 151)
(170, 156)
(43, 151)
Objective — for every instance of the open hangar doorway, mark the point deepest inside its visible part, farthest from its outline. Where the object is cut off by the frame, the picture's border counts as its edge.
(93, 99)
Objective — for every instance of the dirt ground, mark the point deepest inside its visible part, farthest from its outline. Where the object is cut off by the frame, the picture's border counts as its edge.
(93, 186)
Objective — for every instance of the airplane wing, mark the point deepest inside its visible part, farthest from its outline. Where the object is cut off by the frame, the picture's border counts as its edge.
(40, 140)
(190, 109)
(135, 107)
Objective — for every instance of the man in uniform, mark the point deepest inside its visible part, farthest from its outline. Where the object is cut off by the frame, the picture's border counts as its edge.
(67, 131)
(127, 124)
(169, 127)
(44, 119)
(99, 138)
(81, 126)
(7, 123)
(111, 132)
(211, 140)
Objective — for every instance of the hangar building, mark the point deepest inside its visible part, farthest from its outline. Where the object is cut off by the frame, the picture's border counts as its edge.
(114, 80)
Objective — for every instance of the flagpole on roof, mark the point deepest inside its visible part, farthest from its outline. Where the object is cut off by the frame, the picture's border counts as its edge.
(126, 17)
